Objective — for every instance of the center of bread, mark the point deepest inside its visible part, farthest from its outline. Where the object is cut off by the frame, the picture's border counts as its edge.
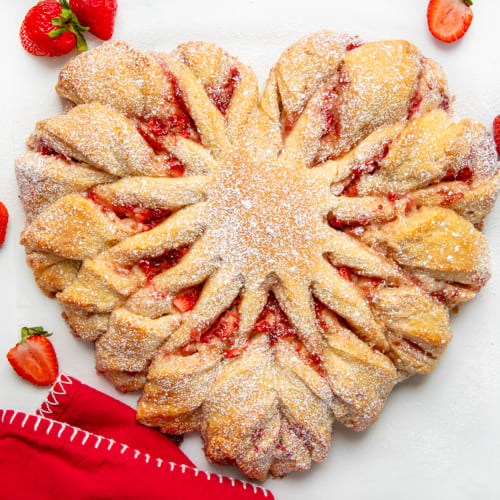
(266, 215)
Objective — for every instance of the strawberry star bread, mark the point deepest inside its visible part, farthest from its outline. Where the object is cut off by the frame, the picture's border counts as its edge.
(259, 266)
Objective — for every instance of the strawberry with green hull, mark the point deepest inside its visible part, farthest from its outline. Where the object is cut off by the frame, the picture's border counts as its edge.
(34, 358)
(54, 27)
(50, 28)
(449, 19)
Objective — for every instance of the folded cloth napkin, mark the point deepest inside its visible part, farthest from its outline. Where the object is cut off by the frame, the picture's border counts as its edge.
(83, 444)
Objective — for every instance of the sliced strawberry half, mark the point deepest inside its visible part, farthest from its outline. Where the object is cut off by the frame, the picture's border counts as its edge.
(448, 20)
(4, 220)
(496, 132)
(34, 357)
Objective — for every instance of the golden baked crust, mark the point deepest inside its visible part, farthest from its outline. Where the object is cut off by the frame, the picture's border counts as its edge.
(260, 266)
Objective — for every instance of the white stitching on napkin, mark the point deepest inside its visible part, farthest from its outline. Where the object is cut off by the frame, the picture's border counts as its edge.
(85, 438)
(33, 421)
(57, 390)
(49, 427)
(98, 442)
(23, 423)
(61, 430)
(75, 432)
(39, 419)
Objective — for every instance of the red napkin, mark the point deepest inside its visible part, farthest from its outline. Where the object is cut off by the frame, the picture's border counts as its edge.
(83, 444)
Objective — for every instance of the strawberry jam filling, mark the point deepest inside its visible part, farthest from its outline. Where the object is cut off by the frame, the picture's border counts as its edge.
(273, 321)
(446, 297)
(368, 167)
(345, 273)
(354, 43)
(147, 217)
(174, 166)
(43, 148)
(221, 95)
(151, 217)
(224, 328)
(368, 285)
(329, 109)
(449, 196)
(236, 351)
(418, 98)
(153, 130)
(338, 223)
(155, 265)
(187, 300)
(403, 203)
(465, 174)
(290, 119)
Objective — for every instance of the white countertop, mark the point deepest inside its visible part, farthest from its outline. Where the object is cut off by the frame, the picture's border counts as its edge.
(438, 436)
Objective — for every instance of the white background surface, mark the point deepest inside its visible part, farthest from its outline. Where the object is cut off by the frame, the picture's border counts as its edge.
(438, 436)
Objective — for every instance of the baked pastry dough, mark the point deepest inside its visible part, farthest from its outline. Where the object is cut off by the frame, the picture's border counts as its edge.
(259, 266)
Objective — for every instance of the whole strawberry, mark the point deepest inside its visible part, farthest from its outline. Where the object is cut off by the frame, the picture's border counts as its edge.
(50, 28)
(98, 15)
(4, 219)
(34, 358)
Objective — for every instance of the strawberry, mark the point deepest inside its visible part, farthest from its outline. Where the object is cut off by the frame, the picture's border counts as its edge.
(34, 358)
(98, 15)
(51, 29)
(449, 19)
(496, 132)
(186, 301)
(4, 219)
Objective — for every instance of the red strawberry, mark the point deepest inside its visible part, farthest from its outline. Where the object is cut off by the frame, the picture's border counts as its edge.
(34, 358)
(186, 301)
(51, 29)
(98, 15)
(4, 219)
(496, 132)
(449, 19)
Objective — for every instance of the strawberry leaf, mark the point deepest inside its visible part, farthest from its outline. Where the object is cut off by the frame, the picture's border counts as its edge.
(81, 44)
(27, 332)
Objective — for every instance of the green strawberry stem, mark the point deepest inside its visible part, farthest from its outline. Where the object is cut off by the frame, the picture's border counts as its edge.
(81, 44)
(68, 21)
(27, 332)
(467, 2)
